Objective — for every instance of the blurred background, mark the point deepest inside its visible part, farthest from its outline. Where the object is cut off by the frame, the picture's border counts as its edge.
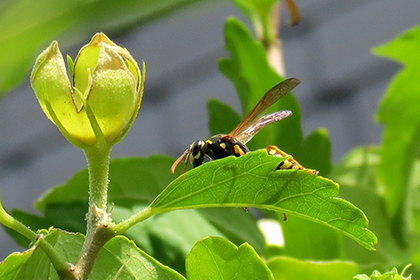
(181, 41)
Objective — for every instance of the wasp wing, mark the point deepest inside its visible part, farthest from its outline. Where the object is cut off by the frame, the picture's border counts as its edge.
(271, 97)
(253, 129)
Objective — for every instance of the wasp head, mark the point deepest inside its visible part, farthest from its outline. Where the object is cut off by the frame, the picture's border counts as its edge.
(194, 155)
(197, 153)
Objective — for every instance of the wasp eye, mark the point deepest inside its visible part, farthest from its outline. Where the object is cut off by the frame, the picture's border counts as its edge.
(198, 151)
(197, 148)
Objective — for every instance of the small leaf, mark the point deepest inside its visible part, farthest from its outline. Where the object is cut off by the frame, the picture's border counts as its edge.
(403, 48)
(361, 277)
(293, 269)
(216, 258)
(306, 239)
(222, 117)
(75, 214)
(316, 151)
(10, 267)
(359, 184)
(253, 181)
(413, 206)
(70, 63)
(259, 12)
(398, 112)
(392, 274)
(120, 251)
(358, 169)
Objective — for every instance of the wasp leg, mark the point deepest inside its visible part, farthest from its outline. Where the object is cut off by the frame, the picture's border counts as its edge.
(291, 159)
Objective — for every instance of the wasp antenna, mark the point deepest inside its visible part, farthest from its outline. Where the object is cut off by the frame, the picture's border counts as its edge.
(185, 168)
(173, 167)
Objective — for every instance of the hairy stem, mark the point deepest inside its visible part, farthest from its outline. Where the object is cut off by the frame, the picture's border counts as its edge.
(98, 157)
(99, 223)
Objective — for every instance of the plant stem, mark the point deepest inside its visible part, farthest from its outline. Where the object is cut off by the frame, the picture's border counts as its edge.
(142, 215)
(14, 224)
(98, 157)
(274, 46)
(99, 229)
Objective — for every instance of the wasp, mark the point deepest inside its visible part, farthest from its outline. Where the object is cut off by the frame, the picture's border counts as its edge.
(234, 143)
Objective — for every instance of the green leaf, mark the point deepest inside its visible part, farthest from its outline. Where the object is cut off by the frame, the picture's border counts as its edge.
(118, 253)
(292, 269)
(70, 64)
(306, 239)
(390, 275)
(358, 169)
(234, 224)
(237, 225)
(316, 151)
(251, 74)
(36, 24)
(10, 267)
(170, 236)
(359, 184)
(252, 181)
(132, 181)
(75, 214)
(259, 12)
(222, 117)
(398, 112)
(216, 258)
(413, 207)
(38, 266)
(361, 277)
(403, 49)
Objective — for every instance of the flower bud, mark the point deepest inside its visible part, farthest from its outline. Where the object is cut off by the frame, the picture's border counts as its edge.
(106, 82)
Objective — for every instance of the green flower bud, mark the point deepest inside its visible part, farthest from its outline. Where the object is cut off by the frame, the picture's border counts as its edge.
(104, 98)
